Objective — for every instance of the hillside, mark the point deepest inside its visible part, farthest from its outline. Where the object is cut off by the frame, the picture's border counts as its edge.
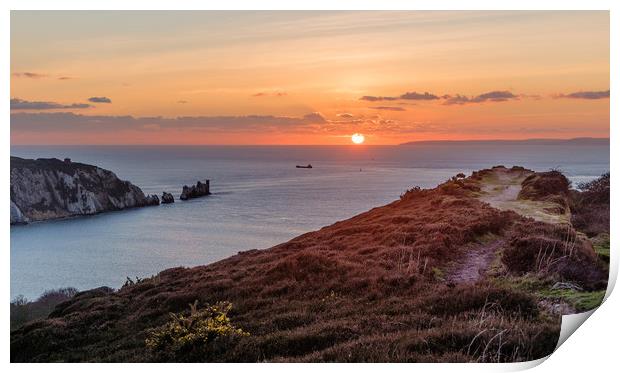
(446, 274)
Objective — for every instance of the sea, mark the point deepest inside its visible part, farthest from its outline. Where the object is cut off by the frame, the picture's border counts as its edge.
(259, 199)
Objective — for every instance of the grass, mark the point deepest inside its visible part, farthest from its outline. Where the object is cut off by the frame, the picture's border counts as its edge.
(580, 300)
(437, 274)
(601, 246)
(543, 289)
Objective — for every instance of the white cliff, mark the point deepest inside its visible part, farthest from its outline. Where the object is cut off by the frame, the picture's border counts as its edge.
(50, 188)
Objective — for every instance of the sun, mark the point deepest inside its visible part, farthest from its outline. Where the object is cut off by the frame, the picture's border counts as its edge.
(357, 138)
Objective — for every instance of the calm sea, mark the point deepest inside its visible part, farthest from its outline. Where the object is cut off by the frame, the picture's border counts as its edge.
(259, 199)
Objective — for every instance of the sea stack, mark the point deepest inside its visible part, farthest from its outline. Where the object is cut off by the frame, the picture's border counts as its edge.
(198, 190)
(152, 200)
(167, 198)
(45, 189)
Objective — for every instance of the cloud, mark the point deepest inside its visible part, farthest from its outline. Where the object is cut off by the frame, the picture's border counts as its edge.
(378, 98)
(29, 75)
(586, 95)
(345, 115)
(315, 118)
(493, 96)
(19, 104)
(390, 108)
(102, 99)
(182, 102)
(78, 123)
(497, 96)
(405, 96)
(272, 94)
(418, 96)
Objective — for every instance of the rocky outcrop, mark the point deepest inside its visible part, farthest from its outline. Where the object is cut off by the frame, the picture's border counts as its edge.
(152, 200)
(167, 198)
(45, 189)
(195, 191)
(16, 215)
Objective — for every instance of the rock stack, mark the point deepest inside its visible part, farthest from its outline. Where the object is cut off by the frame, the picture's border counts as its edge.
(198, 190)
(167, 198)
(151, 200)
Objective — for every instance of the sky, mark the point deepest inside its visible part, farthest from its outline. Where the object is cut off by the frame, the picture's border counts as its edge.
(284, 77)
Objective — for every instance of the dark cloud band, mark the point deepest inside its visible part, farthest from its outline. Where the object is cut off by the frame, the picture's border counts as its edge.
(586, 95)
(19, 104)
(103, 100)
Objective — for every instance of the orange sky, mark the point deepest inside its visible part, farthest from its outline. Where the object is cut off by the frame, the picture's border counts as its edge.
(205, 77)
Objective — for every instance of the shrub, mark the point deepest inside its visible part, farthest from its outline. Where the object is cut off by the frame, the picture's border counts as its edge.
(590, 206)
(596, 191)
(542, 185)
(410, 192)
(23, 311)
(554, 251)
(195, 337)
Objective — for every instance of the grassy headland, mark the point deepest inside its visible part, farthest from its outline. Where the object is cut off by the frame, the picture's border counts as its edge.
(478, 269)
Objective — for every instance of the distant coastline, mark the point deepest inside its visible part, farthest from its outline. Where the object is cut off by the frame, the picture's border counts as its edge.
(573, 141)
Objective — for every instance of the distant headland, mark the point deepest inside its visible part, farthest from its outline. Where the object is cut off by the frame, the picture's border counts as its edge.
(573, 141)
(50, 188)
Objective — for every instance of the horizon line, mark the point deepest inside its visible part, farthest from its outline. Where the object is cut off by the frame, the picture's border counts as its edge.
(352, 145)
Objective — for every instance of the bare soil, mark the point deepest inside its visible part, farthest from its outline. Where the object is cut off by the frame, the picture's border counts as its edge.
(474, 264)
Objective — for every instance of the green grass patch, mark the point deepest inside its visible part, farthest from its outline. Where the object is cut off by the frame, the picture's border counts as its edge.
(601, 246)
(437, 274)
(581, 300)
(527, 283)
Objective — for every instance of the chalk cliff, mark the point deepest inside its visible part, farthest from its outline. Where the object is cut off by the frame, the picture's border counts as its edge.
(44, 189)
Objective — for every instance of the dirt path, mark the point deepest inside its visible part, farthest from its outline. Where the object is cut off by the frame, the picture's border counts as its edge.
(501, 190)
(472, 266)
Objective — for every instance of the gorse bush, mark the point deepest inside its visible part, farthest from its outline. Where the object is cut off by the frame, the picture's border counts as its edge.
(194, 337)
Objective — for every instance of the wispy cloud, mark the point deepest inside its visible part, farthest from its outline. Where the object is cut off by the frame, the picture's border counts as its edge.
(270, 94)
(101, 99)
(586, 95)
(493, 96)
(419, 96)
(389, 108)
(378, 98)
(405, 96)
(19, 104)
(29, 75)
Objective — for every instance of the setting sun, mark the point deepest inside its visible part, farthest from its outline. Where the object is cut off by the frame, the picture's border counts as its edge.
(357, 138)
